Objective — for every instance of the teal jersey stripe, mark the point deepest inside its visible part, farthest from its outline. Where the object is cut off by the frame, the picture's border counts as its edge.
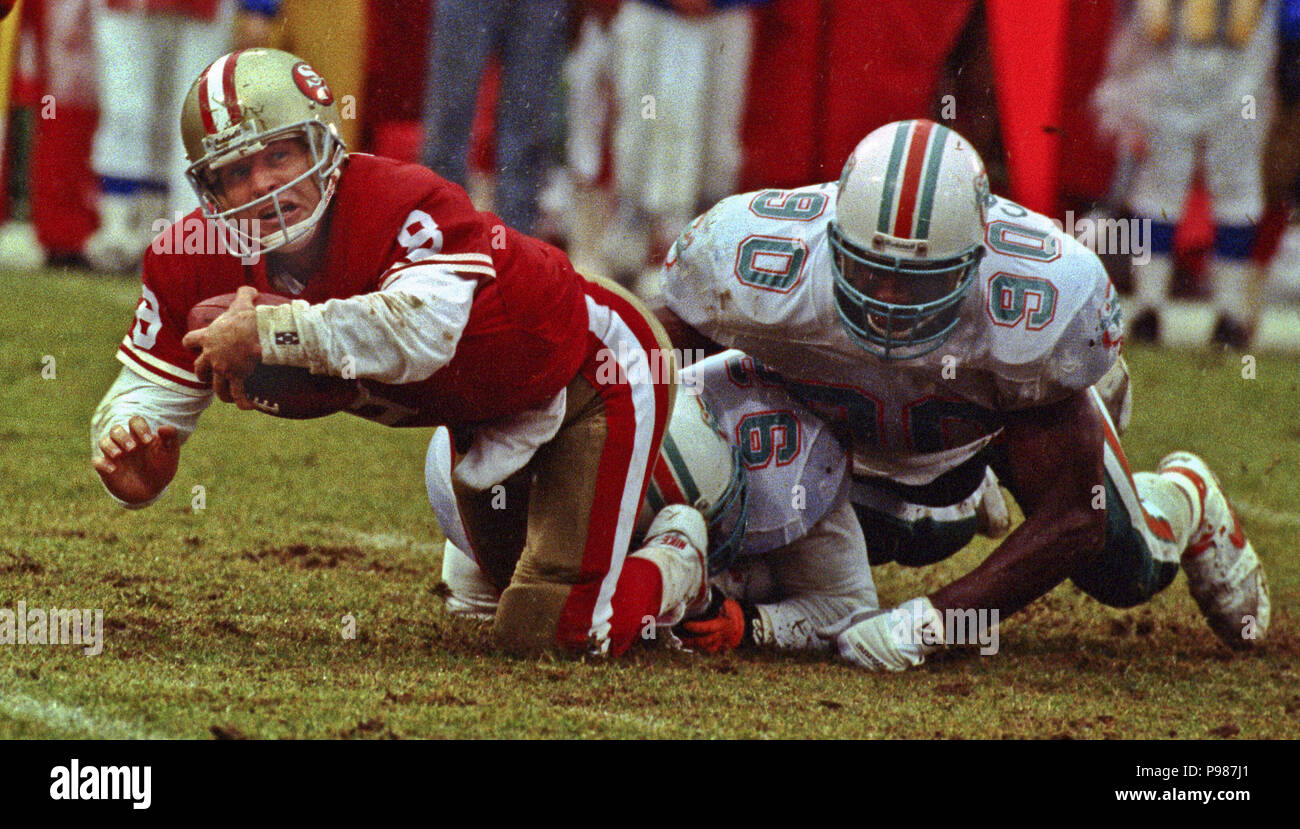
(678, 469)
(891, 175)
(930, 181)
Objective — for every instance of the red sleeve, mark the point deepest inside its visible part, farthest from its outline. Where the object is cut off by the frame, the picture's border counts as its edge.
(388, 216)
(152, 347)
(444, 229)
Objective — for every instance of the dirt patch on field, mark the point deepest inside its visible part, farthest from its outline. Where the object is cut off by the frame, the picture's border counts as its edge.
(230, 626)
(11, 562)
(408, 698)
(132, 635)
(116, 579)
(306, 556)
(64, 532)
(374, 728)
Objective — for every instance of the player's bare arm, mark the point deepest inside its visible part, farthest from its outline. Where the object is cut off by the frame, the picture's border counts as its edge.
(683, 335)
(902, 307)
(1055, 454)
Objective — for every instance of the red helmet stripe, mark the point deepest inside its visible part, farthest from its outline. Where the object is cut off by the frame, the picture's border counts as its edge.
(219, 111)
(205, 107)
(907, 196)
(228, 87)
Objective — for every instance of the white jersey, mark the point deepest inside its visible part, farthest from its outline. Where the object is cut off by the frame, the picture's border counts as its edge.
(1040, 323)
(794, 466)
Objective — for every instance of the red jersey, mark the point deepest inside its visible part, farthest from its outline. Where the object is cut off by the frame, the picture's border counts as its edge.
(525, 340)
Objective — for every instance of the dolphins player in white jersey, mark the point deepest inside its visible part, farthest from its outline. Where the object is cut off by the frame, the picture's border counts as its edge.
(786, 555)
(942, 331)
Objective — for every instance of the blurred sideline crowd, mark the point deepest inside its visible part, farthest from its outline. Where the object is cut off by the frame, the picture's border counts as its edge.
(606, 126)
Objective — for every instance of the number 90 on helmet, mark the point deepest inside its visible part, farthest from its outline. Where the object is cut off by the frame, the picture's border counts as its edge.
(237, 106)
(907, 237)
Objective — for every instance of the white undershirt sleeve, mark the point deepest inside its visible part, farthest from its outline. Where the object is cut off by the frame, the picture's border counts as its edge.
(402, 333)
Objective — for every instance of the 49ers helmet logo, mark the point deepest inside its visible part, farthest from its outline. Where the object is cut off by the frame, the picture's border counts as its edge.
(311, 84)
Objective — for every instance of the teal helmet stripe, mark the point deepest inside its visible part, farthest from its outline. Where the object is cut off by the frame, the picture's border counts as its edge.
(930, 180)
(677, 466)
(892, 173)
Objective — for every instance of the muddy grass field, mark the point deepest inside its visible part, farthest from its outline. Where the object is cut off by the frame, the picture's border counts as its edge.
(287, 585)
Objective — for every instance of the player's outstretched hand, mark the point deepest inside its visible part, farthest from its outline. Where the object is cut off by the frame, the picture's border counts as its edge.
(137, 463)
(230, 349)
(720, 629)
(888, 640)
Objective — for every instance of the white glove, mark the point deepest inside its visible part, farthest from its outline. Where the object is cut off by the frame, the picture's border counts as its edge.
(888, 640)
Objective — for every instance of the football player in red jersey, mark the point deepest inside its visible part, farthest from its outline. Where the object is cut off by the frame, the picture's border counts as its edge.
(557, 388)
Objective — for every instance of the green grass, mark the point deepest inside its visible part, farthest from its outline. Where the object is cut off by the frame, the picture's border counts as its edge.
(227, 621)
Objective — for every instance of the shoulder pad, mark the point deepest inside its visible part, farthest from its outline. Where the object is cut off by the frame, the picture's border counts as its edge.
(1051, 314)
(747, 263)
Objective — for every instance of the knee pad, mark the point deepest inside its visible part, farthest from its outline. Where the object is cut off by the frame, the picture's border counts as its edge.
(1126, 573)
(528, 617)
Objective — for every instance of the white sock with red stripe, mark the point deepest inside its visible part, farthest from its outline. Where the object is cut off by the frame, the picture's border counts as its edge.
(675, 544)
(1174, 497)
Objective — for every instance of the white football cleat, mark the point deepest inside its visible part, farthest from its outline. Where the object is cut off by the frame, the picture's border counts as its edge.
(114, 251)
(120, 242)
(1223, 573)
(470, 595)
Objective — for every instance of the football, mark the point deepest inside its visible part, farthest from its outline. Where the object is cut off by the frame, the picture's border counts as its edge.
(281, 391)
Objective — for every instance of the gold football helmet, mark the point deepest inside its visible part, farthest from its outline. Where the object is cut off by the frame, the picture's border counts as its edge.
(236, 107)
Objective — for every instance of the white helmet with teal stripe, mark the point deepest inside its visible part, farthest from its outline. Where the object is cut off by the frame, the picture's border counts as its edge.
(699, 466)
(907, 236)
